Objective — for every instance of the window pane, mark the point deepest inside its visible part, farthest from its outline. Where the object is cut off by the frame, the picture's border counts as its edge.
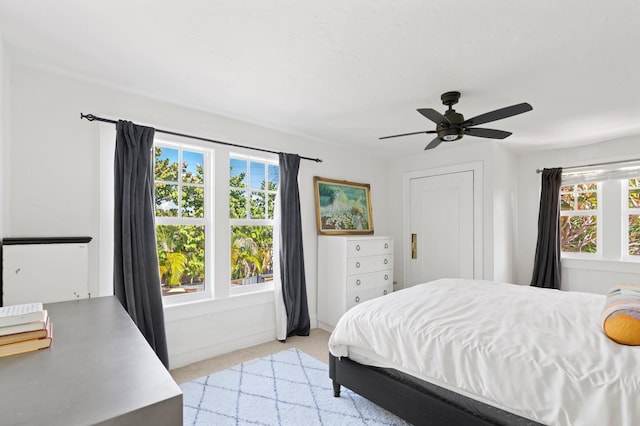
(257, 176)
(634, 183)
(587, 200)
(271, 205)
(251, 254)
(566, 188)
(192, 167)
(258, 205)
(166, 200)
(578, 234)
(237, 173)
(567, 202)
(181, 258)
(273, 174)
(587, 186)
(634, 198)
(166, 165)
(237, 204)
(192, 201)
(634, 235)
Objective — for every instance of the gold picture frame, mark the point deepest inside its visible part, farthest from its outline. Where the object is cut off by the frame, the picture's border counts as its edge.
(342, 207)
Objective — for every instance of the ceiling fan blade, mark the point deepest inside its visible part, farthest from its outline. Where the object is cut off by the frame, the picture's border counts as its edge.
(407, 134)
(433, 115)
(434, 143)
(487, 133)
(498, 114)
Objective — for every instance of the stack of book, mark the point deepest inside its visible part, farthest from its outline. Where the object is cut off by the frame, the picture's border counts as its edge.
(24, 328)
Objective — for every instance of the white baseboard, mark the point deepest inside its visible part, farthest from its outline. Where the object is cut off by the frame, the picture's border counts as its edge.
(177, 360)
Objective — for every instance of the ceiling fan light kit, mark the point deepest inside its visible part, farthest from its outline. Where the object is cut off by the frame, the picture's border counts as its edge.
(452, 126)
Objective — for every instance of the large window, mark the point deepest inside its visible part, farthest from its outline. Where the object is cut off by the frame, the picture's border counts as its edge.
(600, 212)
(252, 192)
(181, 217)
(579, 218)
(631, 218)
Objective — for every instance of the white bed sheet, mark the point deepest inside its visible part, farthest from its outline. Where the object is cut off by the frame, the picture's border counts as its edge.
(534, 352)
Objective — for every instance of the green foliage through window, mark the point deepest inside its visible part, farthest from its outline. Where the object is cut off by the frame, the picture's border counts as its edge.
(634, 216)
(579, 218)
(252, 191)
(180, 228)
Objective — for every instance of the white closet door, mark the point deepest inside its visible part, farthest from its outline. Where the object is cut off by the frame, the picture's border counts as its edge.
(442, 218)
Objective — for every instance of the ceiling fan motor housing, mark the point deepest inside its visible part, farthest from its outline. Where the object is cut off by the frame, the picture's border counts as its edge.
(451, 131)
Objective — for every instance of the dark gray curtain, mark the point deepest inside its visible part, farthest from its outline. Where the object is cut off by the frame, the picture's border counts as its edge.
(546, 267)
(294, 287)
(136, 276)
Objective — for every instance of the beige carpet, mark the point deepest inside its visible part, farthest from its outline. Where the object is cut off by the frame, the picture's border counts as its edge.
(315, 345)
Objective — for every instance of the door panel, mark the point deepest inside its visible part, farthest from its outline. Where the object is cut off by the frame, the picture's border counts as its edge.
(442, 218)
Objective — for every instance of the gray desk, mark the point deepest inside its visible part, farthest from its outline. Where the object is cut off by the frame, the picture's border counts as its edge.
(99, 370)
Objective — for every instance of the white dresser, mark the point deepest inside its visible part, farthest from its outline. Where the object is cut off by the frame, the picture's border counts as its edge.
(351, 269)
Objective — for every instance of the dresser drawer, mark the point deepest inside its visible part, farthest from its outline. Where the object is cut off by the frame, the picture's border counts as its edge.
(363, 265)
(364, 281)
(356, 297)
(357, 248)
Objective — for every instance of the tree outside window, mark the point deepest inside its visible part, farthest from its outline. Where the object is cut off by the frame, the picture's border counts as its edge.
(633, 217)
(252, 191)
(180, 218)
(579, 211)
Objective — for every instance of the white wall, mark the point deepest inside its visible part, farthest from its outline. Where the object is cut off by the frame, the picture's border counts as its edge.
(54, 189)
(580, 275)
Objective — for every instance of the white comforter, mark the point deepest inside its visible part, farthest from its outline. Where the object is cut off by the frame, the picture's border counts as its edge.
(537, 353)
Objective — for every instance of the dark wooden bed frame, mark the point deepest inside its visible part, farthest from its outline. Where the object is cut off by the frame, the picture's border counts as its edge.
(412, 401)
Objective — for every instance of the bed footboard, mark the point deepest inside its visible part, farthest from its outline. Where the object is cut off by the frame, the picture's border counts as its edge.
(415, 404)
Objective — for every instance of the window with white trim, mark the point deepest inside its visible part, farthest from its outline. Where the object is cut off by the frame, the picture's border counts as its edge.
(253, 183)
(182, 216)
(579, 211)
(594, 228)
(631, 219)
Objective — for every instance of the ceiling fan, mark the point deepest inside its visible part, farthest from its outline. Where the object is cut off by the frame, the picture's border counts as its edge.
(452, 126)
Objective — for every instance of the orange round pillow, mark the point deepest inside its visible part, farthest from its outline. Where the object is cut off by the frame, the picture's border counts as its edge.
(621, 315)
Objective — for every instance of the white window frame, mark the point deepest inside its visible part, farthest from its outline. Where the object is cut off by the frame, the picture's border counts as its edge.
(599, 222)
(626, 211)
(613, 225)
(206, 221)
(257, 287)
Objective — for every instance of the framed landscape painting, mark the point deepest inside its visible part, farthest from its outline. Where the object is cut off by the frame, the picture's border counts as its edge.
(342, 207)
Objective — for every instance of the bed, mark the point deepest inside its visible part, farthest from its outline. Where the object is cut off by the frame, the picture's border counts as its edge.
(475, 352)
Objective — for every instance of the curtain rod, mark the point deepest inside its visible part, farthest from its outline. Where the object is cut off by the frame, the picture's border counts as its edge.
(92, 117)
(596, 164)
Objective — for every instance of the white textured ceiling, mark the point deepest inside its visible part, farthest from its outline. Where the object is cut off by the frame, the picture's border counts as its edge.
(350, 71)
